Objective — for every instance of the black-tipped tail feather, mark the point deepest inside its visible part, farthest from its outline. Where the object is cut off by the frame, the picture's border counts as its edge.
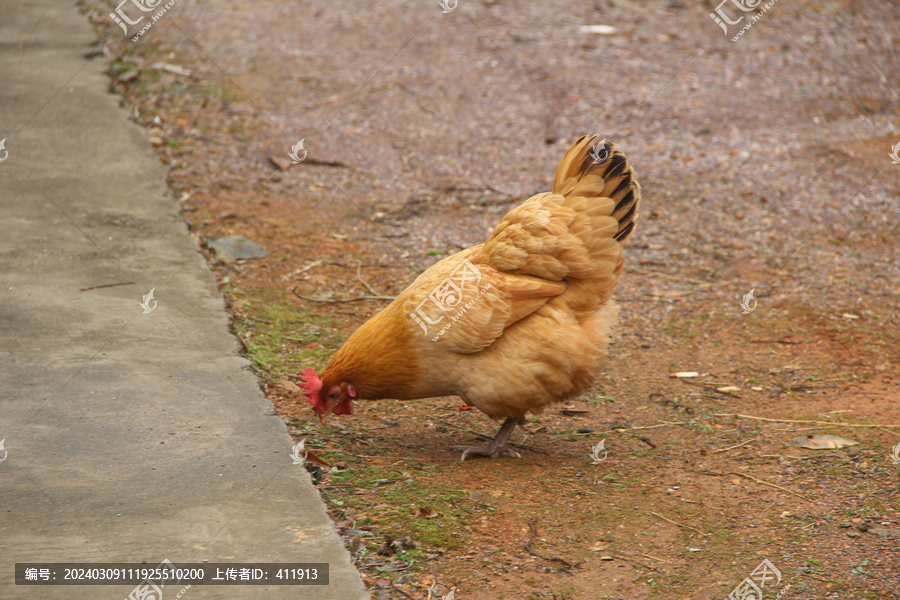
(592, 167)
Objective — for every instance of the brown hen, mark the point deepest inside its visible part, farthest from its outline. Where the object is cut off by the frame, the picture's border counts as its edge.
(512, 325)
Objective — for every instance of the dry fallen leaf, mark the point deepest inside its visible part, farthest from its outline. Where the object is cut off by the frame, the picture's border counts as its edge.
(821, 442)
(312, 457)
(288, 387)
(280, 159)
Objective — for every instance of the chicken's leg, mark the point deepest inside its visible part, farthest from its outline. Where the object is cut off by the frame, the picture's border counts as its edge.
(498, 446)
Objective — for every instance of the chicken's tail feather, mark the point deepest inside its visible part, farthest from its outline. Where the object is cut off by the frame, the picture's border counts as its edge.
(592, 167)
(576, 232)
(598, 184)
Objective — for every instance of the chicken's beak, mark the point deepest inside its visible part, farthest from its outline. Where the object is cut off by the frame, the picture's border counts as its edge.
(323, 417)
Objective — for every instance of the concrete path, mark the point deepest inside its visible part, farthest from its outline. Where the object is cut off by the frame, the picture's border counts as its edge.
(130, 437)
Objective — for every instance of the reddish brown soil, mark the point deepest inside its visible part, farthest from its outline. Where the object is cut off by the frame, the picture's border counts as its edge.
(764, 165)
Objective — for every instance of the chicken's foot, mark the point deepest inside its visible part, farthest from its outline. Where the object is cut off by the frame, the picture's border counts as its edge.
(498, 446)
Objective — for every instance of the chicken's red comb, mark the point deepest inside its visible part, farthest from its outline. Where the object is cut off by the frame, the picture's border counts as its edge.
(310, 380)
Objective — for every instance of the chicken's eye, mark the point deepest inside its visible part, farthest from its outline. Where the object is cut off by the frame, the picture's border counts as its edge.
(333, 394)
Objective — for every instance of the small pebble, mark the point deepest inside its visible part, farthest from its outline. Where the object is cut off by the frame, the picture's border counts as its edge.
(864, 526)
(853, 534)
(585, 430)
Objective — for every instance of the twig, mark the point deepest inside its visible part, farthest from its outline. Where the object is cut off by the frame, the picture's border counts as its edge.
(803, 421)
(774, 485)
(368, 287)
(709, 387)
(679, 524)
(646, 440)
(302, 270)
(778, 341)
(663, 424)
(881, 428)
(735, 446)
(393, 587)
(469, 429)
(362, 441)
(655, 558)
(702, 504)
(106, 285)
(529, 547)
(337, 300)
(255, 319)
(354, 455)
(637, 562)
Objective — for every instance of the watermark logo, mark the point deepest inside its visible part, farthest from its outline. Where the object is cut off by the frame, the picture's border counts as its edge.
(895, 456)
(6, 452)
(123, 20)
(595, 453)
(296, 149)
(723, 18)
(448, 6)
(448, 296)
(5, 152)
(751, 587)
(148, 298)
(747, 300)
(298, 452)
(152, 587)
(600, 152)
(895, 153)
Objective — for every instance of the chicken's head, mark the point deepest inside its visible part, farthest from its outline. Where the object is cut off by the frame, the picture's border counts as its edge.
(332, 399)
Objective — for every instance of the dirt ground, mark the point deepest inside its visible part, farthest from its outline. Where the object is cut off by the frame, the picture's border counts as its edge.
(764, 165)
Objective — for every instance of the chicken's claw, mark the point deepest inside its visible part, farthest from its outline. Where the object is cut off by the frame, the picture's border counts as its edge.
(498, 446)
(487, 451)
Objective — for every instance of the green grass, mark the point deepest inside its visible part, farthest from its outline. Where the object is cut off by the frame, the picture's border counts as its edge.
(410, 501)
(277, 332)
